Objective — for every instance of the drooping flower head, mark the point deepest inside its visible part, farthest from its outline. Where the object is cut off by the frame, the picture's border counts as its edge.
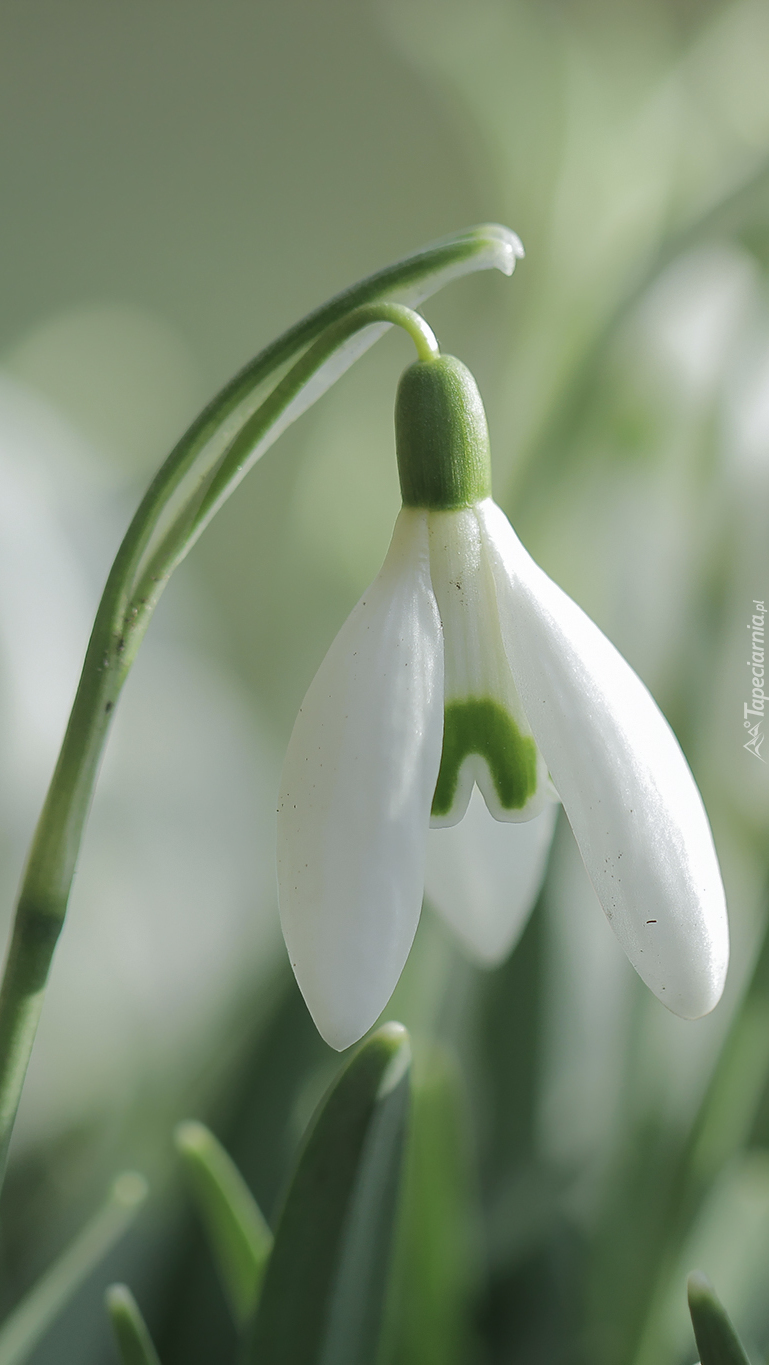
(462, 667)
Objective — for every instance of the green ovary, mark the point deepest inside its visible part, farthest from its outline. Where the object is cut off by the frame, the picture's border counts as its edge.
(483, 726)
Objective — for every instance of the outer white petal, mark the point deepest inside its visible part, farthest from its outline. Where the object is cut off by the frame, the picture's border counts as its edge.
(483, 876)
(356, 790)
(632, 802)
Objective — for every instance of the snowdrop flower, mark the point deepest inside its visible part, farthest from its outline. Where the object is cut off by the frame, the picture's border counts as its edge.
(464, 666)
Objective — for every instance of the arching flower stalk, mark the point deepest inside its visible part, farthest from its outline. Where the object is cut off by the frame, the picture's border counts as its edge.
(207, 464)
(464, 665)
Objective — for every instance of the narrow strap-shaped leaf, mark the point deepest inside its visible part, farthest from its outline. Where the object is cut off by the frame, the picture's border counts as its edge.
(428, 1312)
(32, 1317)
(240, 1239)
(717, 1341)
(132, 1338)
(326, 1281)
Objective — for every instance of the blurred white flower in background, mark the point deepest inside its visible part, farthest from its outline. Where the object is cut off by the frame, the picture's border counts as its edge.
(678, 520)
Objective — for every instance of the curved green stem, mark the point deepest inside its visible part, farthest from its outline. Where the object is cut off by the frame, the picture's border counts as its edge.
(237, 458)
(226, 439)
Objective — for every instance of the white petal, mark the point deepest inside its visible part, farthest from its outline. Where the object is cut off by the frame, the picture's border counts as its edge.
(356, 790)
(630, 797)
(484, 876)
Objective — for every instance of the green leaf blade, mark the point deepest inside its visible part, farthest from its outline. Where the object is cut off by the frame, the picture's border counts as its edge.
(717, 1341)
(429, 1312)
(132, 1338)
(325, 1286)
(240, 1238)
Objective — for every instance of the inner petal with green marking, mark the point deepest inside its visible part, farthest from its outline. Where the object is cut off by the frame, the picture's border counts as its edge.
(486, 738)
(482, 726)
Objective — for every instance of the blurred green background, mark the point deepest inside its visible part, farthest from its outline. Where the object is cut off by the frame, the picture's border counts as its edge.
(180, 183)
